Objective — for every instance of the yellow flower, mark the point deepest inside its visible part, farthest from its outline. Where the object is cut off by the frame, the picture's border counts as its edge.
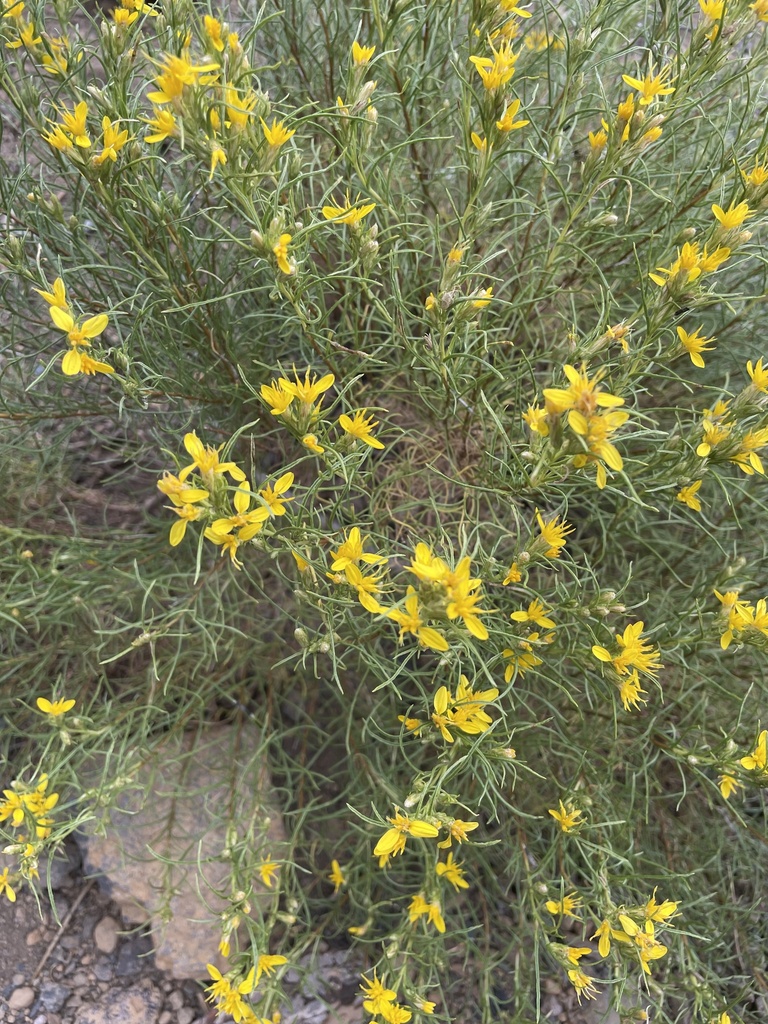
(424, 1005)
(376, 994)
(457, 829)
(712, 9)
(568, 818)
(268, 872)
(582, 395)
(276, 397)
(513, 575)
(535, 612)
(360, 428)
(267, 963)
(280, 249)
(362, 54)
(648, 947)
(660, 911)
(349, 213)
(78, 334)
(507, 122)
(310, 441)
(57, 296)
(176, 74)
(483, 298)
(733, 217)
(228, 997)
(598, 140)
(74, 123)
(758, 374)
(630, 691)
(553, 533)
(496, 71)
(74, 361)
(276, 134)
(410, 621)
(273, 496)
(5, 886)
(759, 174)
(694, 345)
(307, 391)
(28, 37)
(350, 552)
(113, 141)
(757, 761)
(213, 29)
(634, 652)
(452, 872)
(246, 524)
(564, 907)
(58, 139)
(163, 123)
(480, 144)
(206, 460)
(228, 542)
(187, 513)
(218, 156)
(178, 492)
(651, 86)
(55, 708)
(419, 907)
(728, 785)
(536, 418)
(583, 984)
(393, 840)
(336, 876)
(688, 496)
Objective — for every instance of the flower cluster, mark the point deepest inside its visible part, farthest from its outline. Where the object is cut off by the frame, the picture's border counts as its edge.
(201, 492)
(27, 807)
(298, 404)
(80, 333)
(632, 655)
(443, 595)
(226, 991)
(744, 622)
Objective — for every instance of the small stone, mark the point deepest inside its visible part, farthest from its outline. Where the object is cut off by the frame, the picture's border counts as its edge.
(18, 979)
(102, 971)
(41, 1019)
(105, 934)
(79, 979)
(70, 942)
(176, 1000)
(85, 960)
(185, 1015)
(53, 996)
(165, 1017)
(34, 936)
(21, 998)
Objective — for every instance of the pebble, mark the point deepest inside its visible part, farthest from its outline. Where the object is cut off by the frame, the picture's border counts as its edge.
(176, 1000)
(102, 971)
(165, 1017)
(185, 1015)
(105, 934)
(21, 998)
(53, 996)
(79, 979)
(41, 1019)
(34, 936)
(18, 979)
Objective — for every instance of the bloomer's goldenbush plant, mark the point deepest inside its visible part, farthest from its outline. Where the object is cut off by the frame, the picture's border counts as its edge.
(392, 377)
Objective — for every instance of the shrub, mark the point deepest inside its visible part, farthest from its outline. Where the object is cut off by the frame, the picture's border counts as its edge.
(390, 376)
